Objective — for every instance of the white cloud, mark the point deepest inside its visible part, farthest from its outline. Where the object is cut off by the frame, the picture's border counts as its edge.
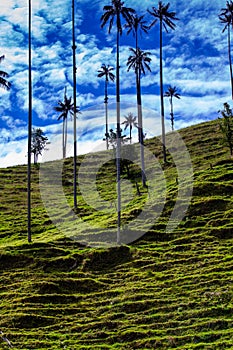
(14, 153)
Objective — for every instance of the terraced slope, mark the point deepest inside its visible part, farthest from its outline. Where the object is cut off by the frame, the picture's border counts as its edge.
(163, 291)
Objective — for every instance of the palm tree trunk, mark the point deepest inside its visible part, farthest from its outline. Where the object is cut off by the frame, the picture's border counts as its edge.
(65, 144)
(172, 114)
(106, 113)
(139, 105)
(63, 138)
(230, 61)
(140, 127)
(35, 158)
(161, 92)
(29, 121)
(75, 104)
(118, 148)
(136, 39)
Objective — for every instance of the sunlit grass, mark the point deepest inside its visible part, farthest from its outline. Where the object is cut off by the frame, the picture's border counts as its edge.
(164, 291)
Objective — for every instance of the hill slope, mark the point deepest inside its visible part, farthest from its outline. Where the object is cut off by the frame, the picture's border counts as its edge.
(164, 291)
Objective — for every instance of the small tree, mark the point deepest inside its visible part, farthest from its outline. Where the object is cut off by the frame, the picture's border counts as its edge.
(39, 141)
(112, 137)
(226, 126)
(124, 162)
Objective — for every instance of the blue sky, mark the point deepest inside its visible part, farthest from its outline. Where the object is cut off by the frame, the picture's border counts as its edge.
(195, 61)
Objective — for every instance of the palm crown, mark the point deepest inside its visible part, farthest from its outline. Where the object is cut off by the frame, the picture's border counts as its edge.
(106, 71)
(65, 108)
(162, 13)
(130, 120)
(172, 92)
(136, 24)
(226, 15)
(114, 10)
(139, 60)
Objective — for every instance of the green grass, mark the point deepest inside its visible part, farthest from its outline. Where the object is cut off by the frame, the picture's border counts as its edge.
(163, 291)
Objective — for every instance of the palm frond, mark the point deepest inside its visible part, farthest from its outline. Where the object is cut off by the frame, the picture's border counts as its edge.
(101, 74)
(4, 74)
(5, 84)
(2, 58)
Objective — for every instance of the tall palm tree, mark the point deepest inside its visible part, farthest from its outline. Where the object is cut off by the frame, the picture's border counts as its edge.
(130, 120)
(75, 103)
(138, 25)
(3, 75)
(65, 108)
(172, 92)
(166, 20)
(139, 61)
(117, 11)
(106, 72)
(29, 119)
(226, 17)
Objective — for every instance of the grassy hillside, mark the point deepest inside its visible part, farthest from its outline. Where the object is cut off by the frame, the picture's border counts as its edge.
(164, 291)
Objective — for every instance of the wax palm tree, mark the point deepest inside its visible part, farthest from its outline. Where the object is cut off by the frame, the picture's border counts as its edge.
(29, 119)
(172, 92)
(166, 20)
(139, 61)
(106, 72)
(3, 75)
(65, 108)
(226, 18)
(136, 25)
(130, 120)
(117, 11)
